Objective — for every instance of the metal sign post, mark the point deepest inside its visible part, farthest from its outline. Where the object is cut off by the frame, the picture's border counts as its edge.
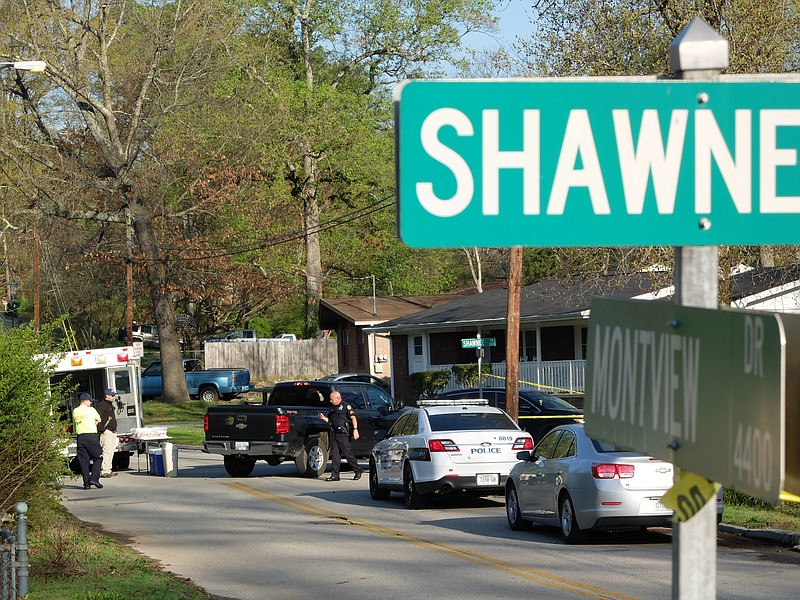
(479, 344)
(698, 53)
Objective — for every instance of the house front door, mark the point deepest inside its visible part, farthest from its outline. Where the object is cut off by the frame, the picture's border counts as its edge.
(417, 355)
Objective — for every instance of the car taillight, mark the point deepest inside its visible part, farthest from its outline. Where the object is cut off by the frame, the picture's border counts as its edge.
(523, 443)
(442, 446)
(281, 424)
(609, 471)
(205, 423)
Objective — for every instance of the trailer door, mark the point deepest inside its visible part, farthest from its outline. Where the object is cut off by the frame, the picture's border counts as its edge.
(127, 404)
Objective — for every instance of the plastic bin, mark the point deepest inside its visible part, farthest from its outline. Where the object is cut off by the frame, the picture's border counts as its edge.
(170, 454)
(156, 462)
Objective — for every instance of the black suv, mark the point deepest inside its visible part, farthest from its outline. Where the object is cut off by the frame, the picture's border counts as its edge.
(538, 412)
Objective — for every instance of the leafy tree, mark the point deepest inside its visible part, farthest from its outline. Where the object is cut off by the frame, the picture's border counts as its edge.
(337, 58)
(116, 69)
(627, 37)
(31, 434)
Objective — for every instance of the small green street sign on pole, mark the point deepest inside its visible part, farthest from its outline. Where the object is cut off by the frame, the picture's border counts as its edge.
(701, 388)
(478, 342)
(599, 161)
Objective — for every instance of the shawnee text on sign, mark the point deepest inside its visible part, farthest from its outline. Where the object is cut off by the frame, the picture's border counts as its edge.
(701, 388)
(598, 161)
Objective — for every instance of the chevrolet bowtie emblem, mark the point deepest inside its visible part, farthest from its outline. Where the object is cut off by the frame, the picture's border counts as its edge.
(663, 470)
(241, 426)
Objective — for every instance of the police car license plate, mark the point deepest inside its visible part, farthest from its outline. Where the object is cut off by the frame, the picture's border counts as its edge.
(488, 479)
(241, 445)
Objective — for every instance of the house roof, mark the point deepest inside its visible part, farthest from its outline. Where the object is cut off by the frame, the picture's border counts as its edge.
(369, 310)
(563, 299)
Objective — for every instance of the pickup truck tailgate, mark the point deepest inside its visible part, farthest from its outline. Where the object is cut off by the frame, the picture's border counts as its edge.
(240, 423)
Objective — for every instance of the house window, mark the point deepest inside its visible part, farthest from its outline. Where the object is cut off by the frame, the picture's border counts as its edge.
(584, 341)
(345, 337)
(417, 345)
(527, 345)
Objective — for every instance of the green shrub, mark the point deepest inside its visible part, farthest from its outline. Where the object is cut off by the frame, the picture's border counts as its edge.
(426, 383)
(32, 434)
(467, 375)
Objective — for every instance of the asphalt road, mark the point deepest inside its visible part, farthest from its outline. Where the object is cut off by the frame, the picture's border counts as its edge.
(276, 535)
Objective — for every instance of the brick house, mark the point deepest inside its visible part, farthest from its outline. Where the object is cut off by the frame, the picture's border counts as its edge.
(364, 352)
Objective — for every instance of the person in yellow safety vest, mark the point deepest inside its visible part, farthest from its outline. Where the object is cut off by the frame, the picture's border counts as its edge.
(90, 453)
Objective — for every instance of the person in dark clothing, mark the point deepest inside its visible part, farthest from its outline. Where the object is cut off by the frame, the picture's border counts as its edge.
(108, 431)
(89, 451)
(343, 421)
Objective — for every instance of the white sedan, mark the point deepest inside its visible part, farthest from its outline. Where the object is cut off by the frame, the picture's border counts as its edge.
(445, 446)
(578, 483)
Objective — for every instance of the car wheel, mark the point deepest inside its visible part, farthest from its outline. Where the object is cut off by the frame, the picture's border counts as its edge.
(313, 458)
(208, 393)
(513, 510)
(75, 466)
(413, 498)
(121, 461)
(376, 492)
(570, 530)
(239, 466)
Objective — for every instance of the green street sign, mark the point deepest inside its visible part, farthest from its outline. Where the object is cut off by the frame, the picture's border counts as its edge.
(704, 389)
(478, 342)
(598, 162)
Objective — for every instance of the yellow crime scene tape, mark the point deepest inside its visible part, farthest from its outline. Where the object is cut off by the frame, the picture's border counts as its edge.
(787, 497)
(540, 385)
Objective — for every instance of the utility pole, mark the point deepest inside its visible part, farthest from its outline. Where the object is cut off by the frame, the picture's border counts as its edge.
(698, 53)
(512, 332)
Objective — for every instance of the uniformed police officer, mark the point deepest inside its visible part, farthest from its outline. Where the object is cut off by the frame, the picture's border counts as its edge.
(89, 452)
(342, 419)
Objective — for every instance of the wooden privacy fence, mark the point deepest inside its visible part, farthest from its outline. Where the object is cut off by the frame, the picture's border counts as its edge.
(275, 360)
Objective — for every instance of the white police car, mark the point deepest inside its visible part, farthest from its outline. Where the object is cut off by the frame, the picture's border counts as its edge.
(443, 446)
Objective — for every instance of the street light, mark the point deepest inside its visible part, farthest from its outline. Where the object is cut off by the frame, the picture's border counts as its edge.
(34, 66)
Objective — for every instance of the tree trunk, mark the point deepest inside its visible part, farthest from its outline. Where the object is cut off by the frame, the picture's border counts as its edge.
(173, 379)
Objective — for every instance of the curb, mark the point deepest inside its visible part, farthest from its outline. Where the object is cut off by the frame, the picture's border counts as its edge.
(776, 536)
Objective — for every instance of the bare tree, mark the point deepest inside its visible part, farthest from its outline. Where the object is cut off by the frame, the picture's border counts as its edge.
(116, 69)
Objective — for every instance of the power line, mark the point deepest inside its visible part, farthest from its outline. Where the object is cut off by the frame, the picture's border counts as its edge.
(288, 237)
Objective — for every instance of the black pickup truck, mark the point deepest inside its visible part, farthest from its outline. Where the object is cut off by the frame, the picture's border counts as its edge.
(286, 425)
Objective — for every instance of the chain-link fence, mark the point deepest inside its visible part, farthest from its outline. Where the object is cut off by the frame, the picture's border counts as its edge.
(14, 557)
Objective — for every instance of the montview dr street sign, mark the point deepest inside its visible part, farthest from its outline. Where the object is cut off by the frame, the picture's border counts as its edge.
(598, 162)
(702, 388)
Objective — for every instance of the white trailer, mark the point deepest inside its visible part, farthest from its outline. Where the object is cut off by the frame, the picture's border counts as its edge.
(93, 371)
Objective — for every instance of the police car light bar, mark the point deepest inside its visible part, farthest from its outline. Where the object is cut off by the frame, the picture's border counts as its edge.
(453, 402)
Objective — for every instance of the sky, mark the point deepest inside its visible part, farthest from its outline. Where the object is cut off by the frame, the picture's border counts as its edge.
(515, 21)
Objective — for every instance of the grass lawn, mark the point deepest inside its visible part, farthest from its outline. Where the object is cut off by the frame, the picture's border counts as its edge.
(70, 560)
